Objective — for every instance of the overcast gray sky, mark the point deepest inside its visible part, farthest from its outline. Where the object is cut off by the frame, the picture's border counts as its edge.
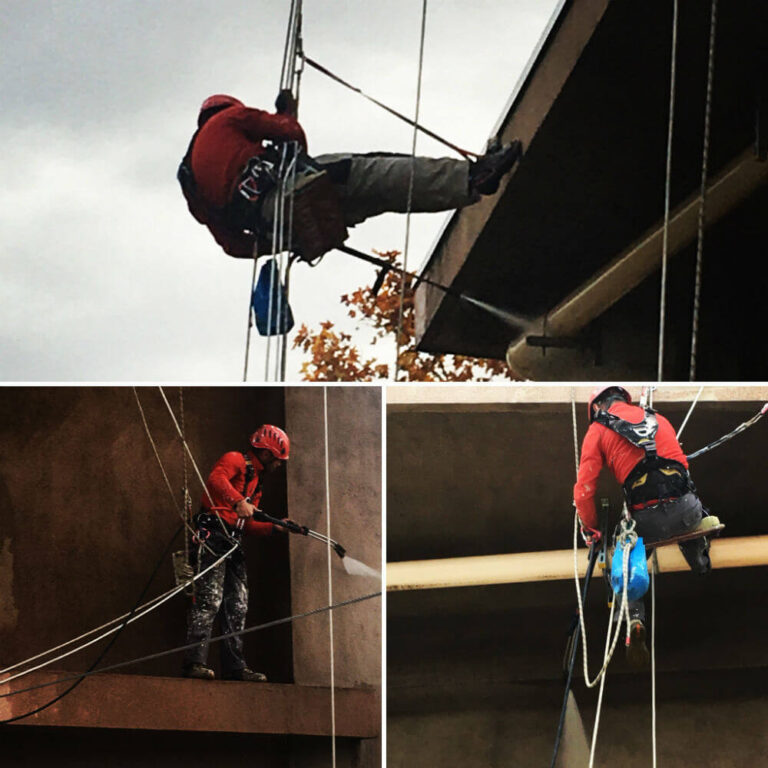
(105, 276)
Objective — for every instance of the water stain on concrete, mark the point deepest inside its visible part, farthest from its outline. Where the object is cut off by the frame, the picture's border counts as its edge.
(9, 614)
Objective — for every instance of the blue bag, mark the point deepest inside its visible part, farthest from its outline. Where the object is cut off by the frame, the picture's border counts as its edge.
(638, 578)
(261, 304)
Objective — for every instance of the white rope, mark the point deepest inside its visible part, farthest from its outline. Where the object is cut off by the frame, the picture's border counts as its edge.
(623, 609)
(690, 411)
(196, 468)
(596, 726)
(410, 190)
(654, 563)
(143, 611)
(330, 581)
(667, 195)
(624, 606)
(575, 431)
(182, 513)
(255, 255)
(703, 192)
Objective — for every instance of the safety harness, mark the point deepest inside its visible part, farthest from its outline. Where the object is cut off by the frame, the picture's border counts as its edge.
(654, 477)
(257, 178)
(318, 222)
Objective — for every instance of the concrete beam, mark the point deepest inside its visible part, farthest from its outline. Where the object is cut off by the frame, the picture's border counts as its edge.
(526, 112)
(553, 565)
(177, 704)
(450, 397)
(726, 191)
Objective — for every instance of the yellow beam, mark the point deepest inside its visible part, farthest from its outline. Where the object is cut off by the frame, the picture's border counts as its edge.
(630, 268)
(552, 565)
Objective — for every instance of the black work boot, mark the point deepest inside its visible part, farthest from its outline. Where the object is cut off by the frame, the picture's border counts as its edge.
(486, 172)
(637, 651)
(696, 554)
(198, 672)
(247, 676)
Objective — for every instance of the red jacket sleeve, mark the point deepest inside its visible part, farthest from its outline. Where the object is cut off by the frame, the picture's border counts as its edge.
(586, 482)
(220, 480)
(257, 125)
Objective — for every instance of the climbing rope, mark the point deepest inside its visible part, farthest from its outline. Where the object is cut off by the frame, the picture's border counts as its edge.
(180, 648)
(290, 80)
(330, 580)
(137, 613)
(741, 428)
(410, 189)
(667, 194)
(463, 152)
(224, 530)
(180, 511)
(703, 192)
(690, 411)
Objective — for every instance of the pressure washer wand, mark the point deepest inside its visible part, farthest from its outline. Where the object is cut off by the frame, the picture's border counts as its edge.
(302, 529)
(388, 266)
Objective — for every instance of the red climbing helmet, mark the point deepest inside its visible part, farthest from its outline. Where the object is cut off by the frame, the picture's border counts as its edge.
(598, 392)
(217, 101)
(272, 439)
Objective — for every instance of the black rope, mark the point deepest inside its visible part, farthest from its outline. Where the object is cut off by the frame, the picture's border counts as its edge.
(593, 552)
(178, 649)
(79, 678)
(720, 440)
(463, 152)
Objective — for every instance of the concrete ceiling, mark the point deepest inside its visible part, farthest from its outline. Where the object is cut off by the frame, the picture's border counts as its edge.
(593, 115)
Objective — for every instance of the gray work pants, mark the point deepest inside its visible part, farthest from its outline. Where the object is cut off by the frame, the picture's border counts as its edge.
(376, 183)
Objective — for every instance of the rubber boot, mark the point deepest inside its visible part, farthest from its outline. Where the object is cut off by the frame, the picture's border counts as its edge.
(198, 672)
(486, 172)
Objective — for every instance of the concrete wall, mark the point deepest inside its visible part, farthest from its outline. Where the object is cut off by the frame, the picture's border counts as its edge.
(354, 439)
(86, 515)
(474, 673)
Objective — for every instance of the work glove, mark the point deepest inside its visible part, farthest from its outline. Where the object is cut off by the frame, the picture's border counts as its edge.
(590, 535)
(286, 104)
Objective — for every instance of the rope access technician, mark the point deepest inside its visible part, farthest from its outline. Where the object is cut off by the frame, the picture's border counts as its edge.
(642, 450)
(228, 510)
(230, 180)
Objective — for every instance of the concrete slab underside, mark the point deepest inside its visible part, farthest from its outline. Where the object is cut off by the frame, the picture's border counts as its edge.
(592, 181)
(175, 704)
(474, 674)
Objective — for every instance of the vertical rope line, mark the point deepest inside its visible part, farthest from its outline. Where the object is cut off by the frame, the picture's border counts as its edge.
(250, 308)
(410, 189)
(703, 193)
(667, 195)
(277, 246)
(654, 563)
(575, 430)
(330, 581)
(690, 411)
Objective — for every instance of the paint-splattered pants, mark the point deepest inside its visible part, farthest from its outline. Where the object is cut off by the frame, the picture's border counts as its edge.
(223, 591)
(380, 182)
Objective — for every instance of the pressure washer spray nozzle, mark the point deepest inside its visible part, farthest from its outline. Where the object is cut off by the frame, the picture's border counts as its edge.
(339, 550)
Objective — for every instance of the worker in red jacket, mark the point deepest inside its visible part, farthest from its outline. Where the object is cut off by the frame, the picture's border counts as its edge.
(641, 448)
(229, 179)
(227, 511)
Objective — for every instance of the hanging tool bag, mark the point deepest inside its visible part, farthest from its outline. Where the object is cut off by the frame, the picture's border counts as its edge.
(638, 579)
